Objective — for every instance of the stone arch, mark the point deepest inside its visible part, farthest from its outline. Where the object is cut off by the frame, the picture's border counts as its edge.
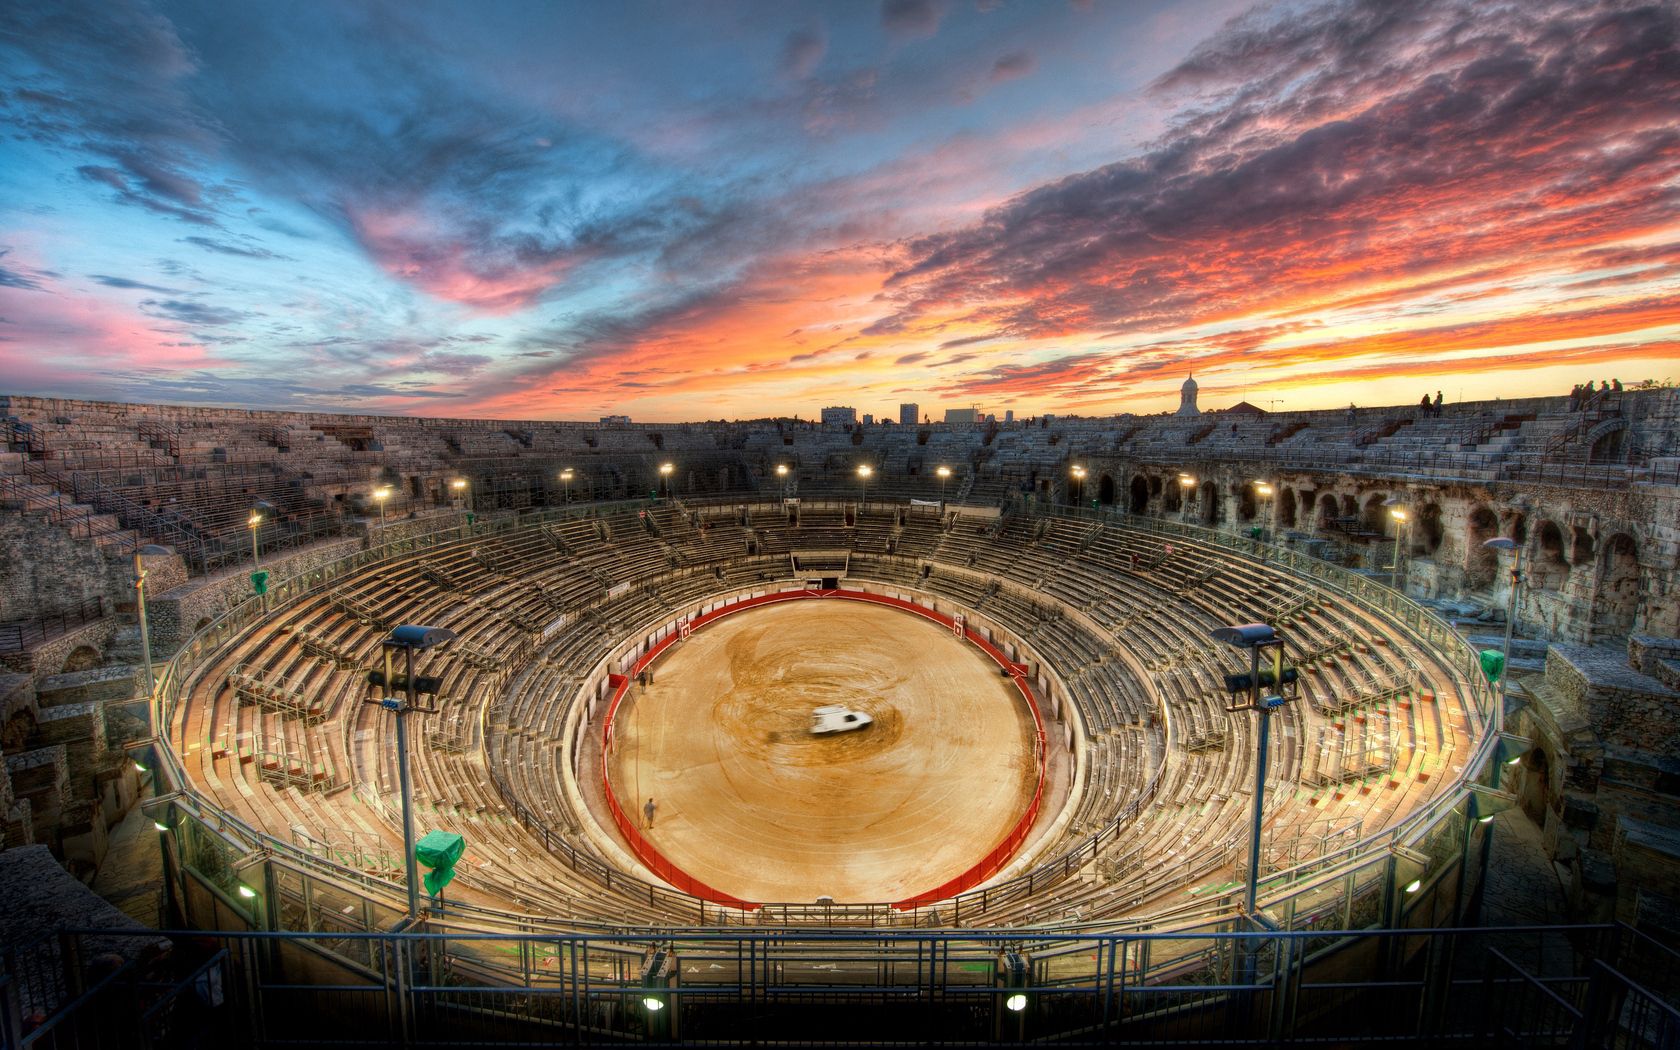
(1581, 547)
(81, 658)
(15, 734)
(1550, 558)
(1517, 528)
(1247, 503)
(1139, 501)
(1350, 506)
(1618, 584)
(1286, 508)
(1210, 503)
(1155, 486)
(1372, 515)
(1105, 490)
(1429, 532)
(1481, 563)
(1328, 510)
(1170, 497)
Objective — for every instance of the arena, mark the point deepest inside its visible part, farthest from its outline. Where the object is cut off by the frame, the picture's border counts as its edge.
(1063, 761)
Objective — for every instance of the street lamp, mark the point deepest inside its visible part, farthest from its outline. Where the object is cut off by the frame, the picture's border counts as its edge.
(944, 473)
(380, 495)
(145, 634)
(1256, 637)
(1505, 543)
(863, 472)
(665, 477)
(259, 513)
(782, 476)
(1402, 518)
(1078, 473)
(1264, 491)
(1186, 482)
(408, 688)
(566, 480)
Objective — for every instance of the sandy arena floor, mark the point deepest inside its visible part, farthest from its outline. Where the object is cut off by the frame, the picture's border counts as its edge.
(749, 802)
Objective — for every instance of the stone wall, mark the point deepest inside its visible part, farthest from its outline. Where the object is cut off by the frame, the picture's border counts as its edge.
(174, 615)
(45, 571)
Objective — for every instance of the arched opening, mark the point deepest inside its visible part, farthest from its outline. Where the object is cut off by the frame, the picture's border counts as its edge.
(1170, 497)
(1618, 588)
(1480, 563)
(1429, 532)
(1210, 503)
(1155, 487)
(1607, 448)
(1372, 516)
(15, 734)
(1535, 788)
(1551, 564)
(1105, 490)
(1582, 548)
(1350, 506)
(1517, 527)
(1139, 496)
(1247, 503)
(81, 658)
(1286, 508)
(1328, 510)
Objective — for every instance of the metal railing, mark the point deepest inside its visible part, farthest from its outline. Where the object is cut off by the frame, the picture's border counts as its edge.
(25, 634)
(442, 987)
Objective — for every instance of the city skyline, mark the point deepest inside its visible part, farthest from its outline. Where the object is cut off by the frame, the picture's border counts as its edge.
(678, 212)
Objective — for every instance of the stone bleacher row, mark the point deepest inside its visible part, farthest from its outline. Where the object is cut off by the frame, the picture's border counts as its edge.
(1377, 723)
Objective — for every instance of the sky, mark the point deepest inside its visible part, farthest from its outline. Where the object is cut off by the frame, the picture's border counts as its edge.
(709, 210)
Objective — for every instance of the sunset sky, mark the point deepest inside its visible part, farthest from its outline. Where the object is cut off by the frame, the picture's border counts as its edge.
(730, 210)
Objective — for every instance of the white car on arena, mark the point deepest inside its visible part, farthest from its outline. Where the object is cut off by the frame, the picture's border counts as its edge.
(837, 719)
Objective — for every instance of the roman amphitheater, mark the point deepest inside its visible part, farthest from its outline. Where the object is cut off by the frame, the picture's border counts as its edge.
(1044, 833)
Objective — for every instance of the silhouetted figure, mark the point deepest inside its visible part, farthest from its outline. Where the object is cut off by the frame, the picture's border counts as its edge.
(1616, 385)
(647, 811)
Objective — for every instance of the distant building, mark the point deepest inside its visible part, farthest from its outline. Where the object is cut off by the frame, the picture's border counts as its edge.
(1187, 398)
(1009, 415)
(962, 415)
(616, 420)
(907, 414)
(839, 416)
(869, 419)
(1243, 408)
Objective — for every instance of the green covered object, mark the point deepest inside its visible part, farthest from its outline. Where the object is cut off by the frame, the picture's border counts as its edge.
(259, 581)
(1493, 664)
(439, 850)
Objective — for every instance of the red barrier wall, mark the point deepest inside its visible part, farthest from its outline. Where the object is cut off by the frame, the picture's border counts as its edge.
(988, 866)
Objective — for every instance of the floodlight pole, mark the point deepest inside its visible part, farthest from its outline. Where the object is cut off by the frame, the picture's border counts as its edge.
(407, 789)
(1250, 637)
(1505, 544)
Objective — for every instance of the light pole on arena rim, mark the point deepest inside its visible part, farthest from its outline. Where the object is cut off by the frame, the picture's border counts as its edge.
(1505, 543)
(1263, 490)
(863, 472)
(944, 473)
(566, 480)
(782, 477)
(407, 689)
(146, 551)
(1186, 482)
(665, 470)
(1402, 519)
(380, 495)
(260, 511)
(1078, 473)
(1256, 638)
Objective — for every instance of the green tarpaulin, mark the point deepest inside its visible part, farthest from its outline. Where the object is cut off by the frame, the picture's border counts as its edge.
(439, 850)
(1493, 664)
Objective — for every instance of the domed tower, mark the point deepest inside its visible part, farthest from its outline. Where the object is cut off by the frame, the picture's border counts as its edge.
(1187, 399)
